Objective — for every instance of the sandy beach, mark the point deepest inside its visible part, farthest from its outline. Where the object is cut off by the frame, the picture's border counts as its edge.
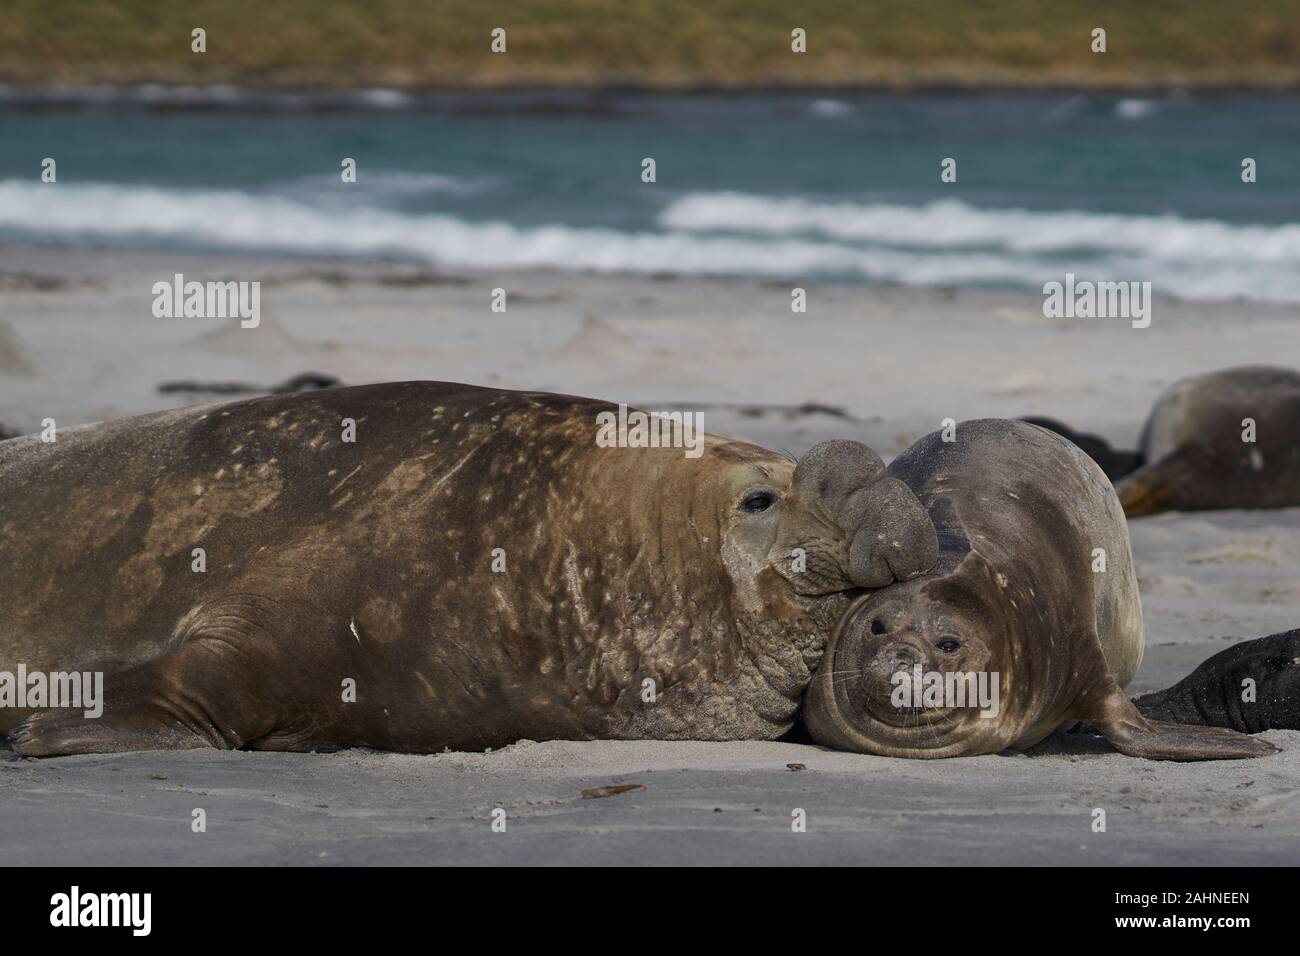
(703, 803)
(885, 365)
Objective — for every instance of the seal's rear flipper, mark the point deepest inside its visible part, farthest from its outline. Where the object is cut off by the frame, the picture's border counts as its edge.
(1161, 741)
(1133, 735)
(1252, 686)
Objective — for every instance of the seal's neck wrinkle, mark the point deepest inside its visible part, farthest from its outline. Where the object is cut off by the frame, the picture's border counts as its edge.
(720, 670)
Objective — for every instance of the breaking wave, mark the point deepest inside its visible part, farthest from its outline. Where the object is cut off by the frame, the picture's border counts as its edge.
(940, 243)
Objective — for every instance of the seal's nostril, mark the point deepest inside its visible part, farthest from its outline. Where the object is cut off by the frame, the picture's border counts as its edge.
(892, 662)
(877, 627)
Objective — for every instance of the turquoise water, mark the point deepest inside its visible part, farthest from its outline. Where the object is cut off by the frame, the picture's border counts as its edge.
(800, 186)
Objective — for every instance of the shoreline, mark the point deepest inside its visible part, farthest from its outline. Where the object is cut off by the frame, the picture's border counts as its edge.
(181, 95)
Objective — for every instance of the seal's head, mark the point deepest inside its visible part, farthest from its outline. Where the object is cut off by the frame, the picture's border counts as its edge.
(908, 673)
(770, 550)
(841, 523)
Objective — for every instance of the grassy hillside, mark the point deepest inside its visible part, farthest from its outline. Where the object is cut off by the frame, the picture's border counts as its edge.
(656, 43)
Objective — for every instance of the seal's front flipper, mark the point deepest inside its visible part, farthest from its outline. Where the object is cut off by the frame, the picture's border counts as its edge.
(1133, 735)
(57, 733)
(234, 677)
(1252, 686)
(197, 696)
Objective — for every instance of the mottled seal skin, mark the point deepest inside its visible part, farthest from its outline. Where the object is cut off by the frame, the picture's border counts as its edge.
(1194, 453)
(1020, 513)
(1215, 693)
(373, 561)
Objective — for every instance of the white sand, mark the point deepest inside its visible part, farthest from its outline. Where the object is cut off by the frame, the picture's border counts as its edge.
(702, 803)
(897, 361)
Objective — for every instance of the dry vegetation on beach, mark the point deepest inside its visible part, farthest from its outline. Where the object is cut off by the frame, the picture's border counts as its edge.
(661, 44)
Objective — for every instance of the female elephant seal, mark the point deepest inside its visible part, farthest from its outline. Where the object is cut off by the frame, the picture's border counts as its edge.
(1229, 439)
(473, 569)
(1031, 617)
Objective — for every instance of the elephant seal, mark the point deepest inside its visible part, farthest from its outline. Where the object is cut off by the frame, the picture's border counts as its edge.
(1251, 686)
(1199, 450)
(474, 567)
(1115, 462)
(1033, 597)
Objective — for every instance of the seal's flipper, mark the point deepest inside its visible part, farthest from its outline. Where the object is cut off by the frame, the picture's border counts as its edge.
(196, 696)
(1146, 491)
(1160, 741)
(57, 733)
(1134, 736)
(1251, 686)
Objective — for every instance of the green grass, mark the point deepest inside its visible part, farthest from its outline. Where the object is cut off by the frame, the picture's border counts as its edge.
(654, 43)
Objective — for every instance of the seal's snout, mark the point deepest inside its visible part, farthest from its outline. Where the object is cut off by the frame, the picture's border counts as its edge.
(867, 529)
(901, 653)
(895, 540)
(882, 665)
(886, 643)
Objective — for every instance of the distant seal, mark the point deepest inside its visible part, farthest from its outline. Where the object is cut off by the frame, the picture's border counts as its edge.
(1024, 520)
(1251, 686)
(1196, 449)
(474, 566)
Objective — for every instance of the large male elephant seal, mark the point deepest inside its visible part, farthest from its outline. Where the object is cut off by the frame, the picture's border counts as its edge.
(1228, 439)
(1034, 588)
(474, 569)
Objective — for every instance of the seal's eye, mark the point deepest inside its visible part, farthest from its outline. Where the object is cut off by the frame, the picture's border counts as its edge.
(757, 501)
(949, 646)
(878, 627)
